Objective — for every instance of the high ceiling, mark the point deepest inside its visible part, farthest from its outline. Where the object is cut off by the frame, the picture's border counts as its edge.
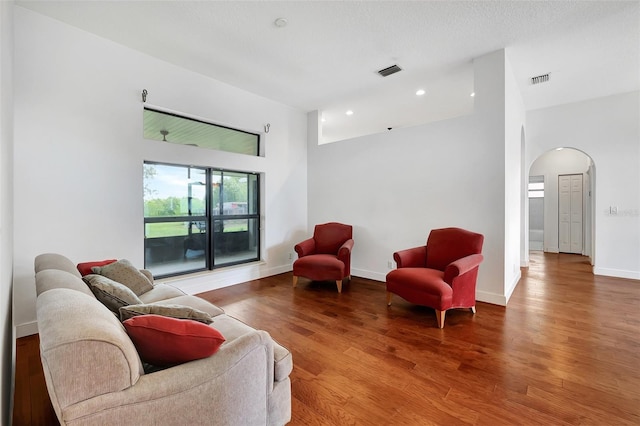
(327, 55)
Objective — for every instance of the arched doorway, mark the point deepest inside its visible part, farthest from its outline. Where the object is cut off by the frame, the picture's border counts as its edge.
(561, 202)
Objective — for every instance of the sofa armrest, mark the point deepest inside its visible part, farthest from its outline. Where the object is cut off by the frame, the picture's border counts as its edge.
(306, 247)
(415, 257)
(234, 383)
(234, 354)
(461, 267)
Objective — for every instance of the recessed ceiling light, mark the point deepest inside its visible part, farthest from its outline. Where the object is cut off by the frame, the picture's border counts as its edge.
(420, 92)
(349, 112)
(280, 22)
(472, 94)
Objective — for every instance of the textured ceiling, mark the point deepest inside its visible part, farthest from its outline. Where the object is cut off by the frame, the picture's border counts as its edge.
(327, 56)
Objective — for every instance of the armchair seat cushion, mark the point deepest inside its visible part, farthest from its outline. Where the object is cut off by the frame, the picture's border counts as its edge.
(319, 267)
(422, 286)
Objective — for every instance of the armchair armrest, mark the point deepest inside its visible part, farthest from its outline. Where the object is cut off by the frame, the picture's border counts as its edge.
(306, 247)
(345, 250)
(411, 258)
(461, 267)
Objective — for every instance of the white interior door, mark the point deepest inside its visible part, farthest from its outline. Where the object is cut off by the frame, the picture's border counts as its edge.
(570, 214)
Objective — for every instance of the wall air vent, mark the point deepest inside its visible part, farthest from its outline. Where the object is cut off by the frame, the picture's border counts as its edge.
(540, 79)
(390, 70)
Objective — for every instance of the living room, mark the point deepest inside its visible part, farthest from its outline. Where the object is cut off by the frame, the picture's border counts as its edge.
(76, 153)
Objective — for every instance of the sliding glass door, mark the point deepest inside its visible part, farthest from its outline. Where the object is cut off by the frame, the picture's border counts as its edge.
(199, 218)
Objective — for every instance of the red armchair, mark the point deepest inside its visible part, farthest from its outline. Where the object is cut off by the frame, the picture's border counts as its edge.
(326, 256)
(442, 274)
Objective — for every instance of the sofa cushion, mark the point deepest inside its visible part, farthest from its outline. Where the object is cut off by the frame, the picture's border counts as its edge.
(161, 292)
(85, 267)
(125, 273)
(169, 341)
(111, 293)
(48, 279)
(173, 311)
(55, 261)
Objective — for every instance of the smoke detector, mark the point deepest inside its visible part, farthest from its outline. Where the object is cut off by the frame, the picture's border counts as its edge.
(389, 70)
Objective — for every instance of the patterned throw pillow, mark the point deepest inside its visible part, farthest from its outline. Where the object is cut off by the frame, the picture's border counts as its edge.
(170, 341)
(111, 293)
(173, 311)
(125, 273)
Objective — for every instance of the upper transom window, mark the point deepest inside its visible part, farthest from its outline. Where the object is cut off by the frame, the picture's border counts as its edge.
(167, 127)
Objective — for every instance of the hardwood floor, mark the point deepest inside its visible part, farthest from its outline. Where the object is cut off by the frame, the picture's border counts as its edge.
(565, 351)
(31, 400)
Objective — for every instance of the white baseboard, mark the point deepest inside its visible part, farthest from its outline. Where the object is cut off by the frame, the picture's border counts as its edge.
(512, 286)
(618, 273)
(213, 280)
(371, 275)
(493, 298)
(207, 281)
(27, 329)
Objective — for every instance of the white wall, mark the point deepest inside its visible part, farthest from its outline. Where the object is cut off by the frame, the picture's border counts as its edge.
(608, 130)
(7, 347)
(395, 187)
(79, 153)
(552, 164)
(514, 122)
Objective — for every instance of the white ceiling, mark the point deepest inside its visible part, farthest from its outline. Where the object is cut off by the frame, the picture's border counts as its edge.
(327, 57)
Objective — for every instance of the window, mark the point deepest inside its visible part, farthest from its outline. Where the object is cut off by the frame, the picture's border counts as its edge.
(198, 218)
(166, 127)
(536, 187)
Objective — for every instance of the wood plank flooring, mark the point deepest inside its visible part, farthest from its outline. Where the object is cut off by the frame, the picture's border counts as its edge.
(566, 351)
(31, 400)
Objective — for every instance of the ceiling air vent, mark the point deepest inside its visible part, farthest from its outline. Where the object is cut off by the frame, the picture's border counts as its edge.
(540, 79)
(390, 70)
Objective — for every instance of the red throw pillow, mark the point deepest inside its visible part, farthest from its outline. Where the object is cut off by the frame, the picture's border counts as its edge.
(164, 340)
(85, 267)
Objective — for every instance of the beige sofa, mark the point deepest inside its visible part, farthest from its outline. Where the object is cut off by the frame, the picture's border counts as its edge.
(95, 376)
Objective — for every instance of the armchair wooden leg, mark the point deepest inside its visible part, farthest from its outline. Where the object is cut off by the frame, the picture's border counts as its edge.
(295, 281)
(339, 284)
(389, 298)
(473, 310)
(440, 318)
